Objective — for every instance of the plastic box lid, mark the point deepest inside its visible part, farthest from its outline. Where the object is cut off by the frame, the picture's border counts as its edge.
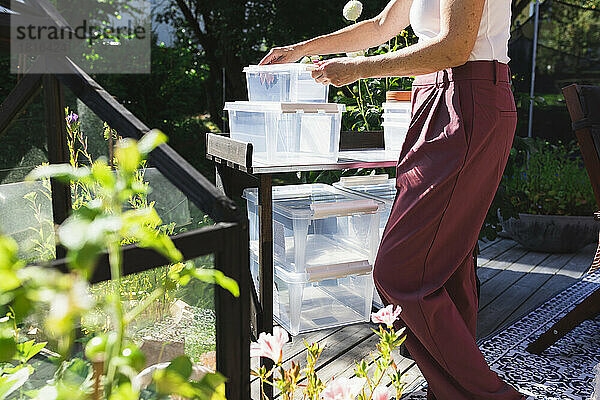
(273, 106)
(316, 201)
(335, 271)
(280, 68)
(399, 106)
(380, 187)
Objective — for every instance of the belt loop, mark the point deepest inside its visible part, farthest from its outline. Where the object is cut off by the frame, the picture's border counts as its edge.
(496, 72)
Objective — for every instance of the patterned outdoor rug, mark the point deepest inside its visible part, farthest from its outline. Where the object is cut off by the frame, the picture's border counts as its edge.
(564, 371)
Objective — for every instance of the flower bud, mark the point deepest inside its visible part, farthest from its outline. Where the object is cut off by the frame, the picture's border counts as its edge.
(352, 10)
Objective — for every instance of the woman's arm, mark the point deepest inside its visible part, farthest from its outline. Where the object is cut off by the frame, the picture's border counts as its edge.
(363, 35)
(460, 21)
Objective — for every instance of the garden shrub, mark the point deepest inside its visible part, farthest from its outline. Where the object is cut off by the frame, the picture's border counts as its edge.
(551, 180)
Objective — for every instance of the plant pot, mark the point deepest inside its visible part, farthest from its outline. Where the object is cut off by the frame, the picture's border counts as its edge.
(360, 140)
(552, 233)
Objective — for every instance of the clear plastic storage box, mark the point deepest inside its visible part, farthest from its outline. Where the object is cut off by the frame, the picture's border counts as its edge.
(284, 83)
(288, 132)
(304, 302)
(394, 134)
(378, 187)
(396, 120)
(317, 227)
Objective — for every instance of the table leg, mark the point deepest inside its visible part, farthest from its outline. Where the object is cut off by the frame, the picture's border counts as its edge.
(265, 261)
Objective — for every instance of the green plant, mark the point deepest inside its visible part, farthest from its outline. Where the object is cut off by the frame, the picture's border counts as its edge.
(43, 246)
(100, 225)
(364, 107)
(549, 179)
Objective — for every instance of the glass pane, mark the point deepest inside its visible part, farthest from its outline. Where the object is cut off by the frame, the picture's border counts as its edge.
(175, 210)
(23, 146)
(26, 207)
(180, 321)
(26, 216)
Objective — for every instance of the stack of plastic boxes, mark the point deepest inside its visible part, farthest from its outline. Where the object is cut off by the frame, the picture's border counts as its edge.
(287, 118)
(377, 187)
(396, 119)
(324, 245)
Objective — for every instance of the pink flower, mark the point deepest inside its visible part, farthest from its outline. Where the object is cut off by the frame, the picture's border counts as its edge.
(386, 315)
(343, 388)
(270, 346)
(381, 393)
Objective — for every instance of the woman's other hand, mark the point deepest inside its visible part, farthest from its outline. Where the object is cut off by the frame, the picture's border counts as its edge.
(338, 71)
(281, 55)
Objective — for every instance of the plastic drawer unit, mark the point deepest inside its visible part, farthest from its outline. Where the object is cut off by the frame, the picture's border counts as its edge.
(304, 302)
(318, 227)
(378, 187)
(287, 83)
(396, 120)
(288, 132)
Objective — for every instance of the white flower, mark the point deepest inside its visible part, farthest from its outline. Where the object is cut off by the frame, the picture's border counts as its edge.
(344, 388)
(352, 10)
(270, 346)
(387, 315)
(353, 54)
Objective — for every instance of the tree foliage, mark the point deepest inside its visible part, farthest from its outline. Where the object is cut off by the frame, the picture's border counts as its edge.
(234, 33)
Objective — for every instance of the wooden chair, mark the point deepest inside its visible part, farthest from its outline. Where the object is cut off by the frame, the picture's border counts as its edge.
(583, 103)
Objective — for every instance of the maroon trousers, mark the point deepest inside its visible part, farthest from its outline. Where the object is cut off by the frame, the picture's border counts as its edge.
(450, 166)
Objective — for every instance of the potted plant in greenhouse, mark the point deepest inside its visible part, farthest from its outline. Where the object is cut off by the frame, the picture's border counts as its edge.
(112, 367)
(550, 190)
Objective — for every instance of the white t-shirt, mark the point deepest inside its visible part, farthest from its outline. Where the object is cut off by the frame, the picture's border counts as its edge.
(494, 30)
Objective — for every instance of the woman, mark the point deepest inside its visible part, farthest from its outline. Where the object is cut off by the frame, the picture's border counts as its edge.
(463, 122)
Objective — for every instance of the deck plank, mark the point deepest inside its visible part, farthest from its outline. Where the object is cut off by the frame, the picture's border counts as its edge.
(494, 314)
(503, 279)
(559, 281)
(498, 264)
(494, 250)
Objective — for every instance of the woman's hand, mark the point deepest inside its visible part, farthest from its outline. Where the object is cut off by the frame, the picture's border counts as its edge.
(281, 55)
(338, 71)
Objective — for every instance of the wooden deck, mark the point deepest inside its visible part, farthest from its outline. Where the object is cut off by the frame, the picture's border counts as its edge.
(514, 281)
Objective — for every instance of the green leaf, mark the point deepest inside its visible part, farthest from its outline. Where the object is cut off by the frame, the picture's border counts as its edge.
(169, 382)
(124, 392)
(8, 252)
(138, 217)
(9, 280)
(127, 155)
(75, 373)
(9, 383)
(8, 347)
(215, 276)
(77, 232)
(62, 172)
(29, 349)
(150, 141)
(182, 366)
(103, 174)
(85, 258)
